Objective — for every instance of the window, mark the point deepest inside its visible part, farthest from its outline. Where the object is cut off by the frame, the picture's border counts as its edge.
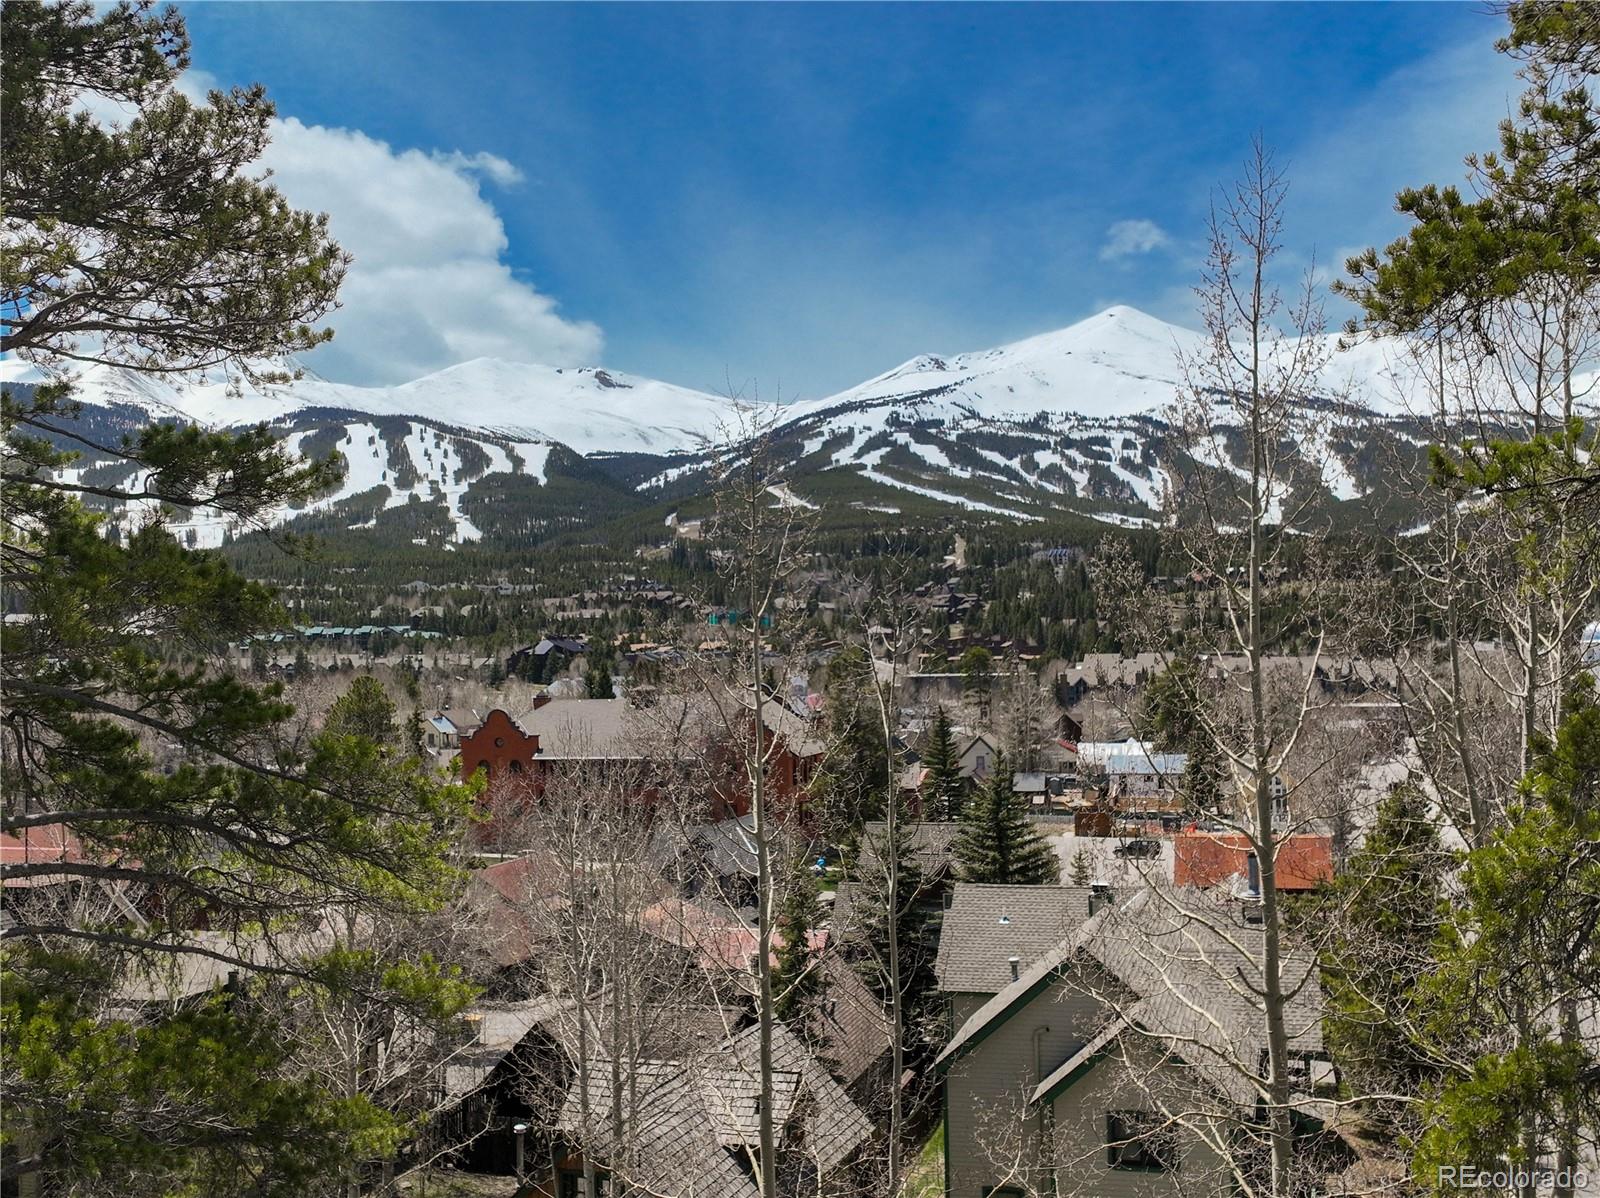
(1140, 1140)
(484, 766)
(516, 766)
(572, 1184)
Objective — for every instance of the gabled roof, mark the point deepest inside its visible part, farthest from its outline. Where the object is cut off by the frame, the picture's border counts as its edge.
(1079, 1062)
(853, 1025)
(610, 729)
(976, 739)
(500, 1028)
(465, 719)
(1172, 764)
(834, 1125)
(581, 728)
(677, 1149)
(986, 925)
(694, 1115)
(1194, 977)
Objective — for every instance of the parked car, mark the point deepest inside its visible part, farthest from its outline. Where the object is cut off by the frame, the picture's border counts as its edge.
(1138, 848)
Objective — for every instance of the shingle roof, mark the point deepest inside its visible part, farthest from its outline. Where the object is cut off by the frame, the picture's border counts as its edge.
(834, 1126)
(928, 844)
(611, 729)
(1194, 978)
(985, 925)
(579, 728)
(853, 1025)
(464, 719)
(500, 1028)
(676, 1145)
(692, 1115)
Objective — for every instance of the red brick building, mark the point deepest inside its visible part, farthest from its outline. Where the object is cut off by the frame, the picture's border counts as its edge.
(500, 747)
(517, 754)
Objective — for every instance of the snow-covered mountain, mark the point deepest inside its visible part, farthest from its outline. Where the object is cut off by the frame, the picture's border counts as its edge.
(585, 408)
(1120, 362)
(1067, 421)
(1064, 421)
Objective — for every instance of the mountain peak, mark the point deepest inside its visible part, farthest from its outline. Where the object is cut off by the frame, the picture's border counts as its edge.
(1122, 312)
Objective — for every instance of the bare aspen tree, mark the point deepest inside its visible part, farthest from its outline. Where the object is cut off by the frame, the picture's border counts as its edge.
(608, 946)
(891, 627)
(1244, 492)
(761, 531)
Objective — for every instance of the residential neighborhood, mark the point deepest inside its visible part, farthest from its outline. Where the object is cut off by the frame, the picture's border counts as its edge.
(919, 600)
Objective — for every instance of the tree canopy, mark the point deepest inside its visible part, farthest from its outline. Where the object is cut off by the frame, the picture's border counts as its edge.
(997, 842)
(189, 840)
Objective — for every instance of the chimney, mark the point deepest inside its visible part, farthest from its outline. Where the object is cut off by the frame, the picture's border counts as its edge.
(1016, 966)
(1099, 896)
(541, 699)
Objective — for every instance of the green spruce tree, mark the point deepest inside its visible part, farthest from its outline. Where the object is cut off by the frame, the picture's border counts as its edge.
(879, 853)
(598, 681)
(997, 841)
(1082, 873)
(976, 668)
(943, 788)
(1385, 911)
(1517, 965)
(798, 984)
(853, 781)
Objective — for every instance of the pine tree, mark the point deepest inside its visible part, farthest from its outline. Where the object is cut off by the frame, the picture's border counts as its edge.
(364, 710)
(1082, 873)
(976, 668)
(1518, 963)
(1205, 774)
(195, 263)
(997, 842)
(598, 681)
(854, 777)
(878, 853)
(1385, 909)
(798, 983)
(943, 789)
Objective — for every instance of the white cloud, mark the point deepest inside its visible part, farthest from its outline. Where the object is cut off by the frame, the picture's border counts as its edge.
(1127, 237)
(497, 169)
(428, 287)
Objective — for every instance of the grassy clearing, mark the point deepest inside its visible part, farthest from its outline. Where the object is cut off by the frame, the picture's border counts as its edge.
(926, 1177)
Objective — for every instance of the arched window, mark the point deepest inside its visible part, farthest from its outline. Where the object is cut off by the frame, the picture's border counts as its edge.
(516, 766)
(484, 766)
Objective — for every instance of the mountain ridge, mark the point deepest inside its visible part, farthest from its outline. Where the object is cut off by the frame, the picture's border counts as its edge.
(1065, 421)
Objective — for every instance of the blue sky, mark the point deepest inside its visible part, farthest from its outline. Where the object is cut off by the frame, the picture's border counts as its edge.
(809, 195)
